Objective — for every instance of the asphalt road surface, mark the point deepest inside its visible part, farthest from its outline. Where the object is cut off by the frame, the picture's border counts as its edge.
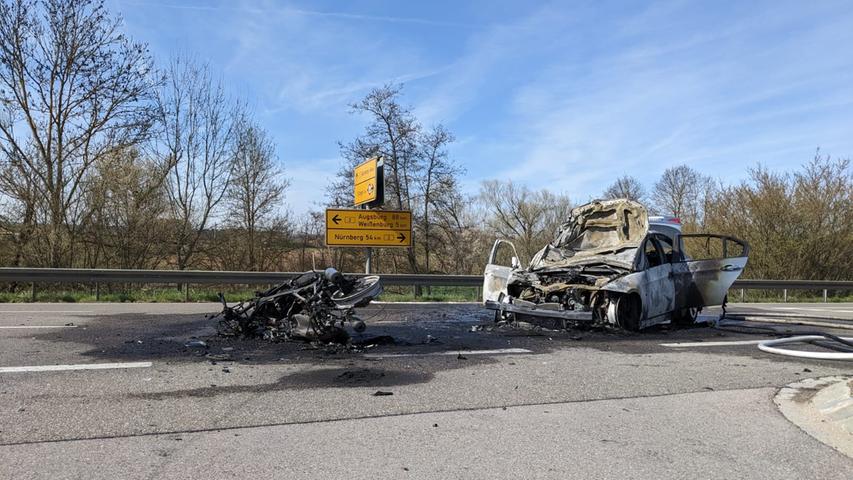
(111, 391)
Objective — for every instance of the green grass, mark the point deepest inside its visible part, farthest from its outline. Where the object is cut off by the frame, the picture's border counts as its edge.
(163, 295)
(433, 294)
(211, 294)
(70, 294)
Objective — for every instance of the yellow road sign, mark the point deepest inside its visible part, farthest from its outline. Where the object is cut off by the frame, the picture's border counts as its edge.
(368, 228)
(366, 181)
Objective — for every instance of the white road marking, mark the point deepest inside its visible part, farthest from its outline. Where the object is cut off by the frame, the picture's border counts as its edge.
(453, 352)
(39, 326)
(812, 309)
(46, 311)
(378, 302)
(713, 344)
(84, 366)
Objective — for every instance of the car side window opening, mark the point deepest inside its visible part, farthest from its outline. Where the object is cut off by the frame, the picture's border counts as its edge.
(698, 246)
(502, 254)
(652, 254)
(667, 248)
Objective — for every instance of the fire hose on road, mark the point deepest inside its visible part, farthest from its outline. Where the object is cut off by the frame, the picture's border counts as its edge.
(843, 346)
(771, 346)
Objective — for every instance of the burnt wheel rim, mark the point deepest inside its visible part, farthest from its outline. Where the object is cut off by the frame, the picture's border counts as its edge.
(628, 312)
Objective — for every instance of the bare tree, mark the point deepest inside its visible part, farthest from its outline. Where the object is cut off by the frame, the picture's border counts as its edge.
(392, 134)
(437, 183)
(310, 238)
(529, 218)
(197, 135)
(461, 240)
(682, 191)
(74, 89)
(626, 186)
(799, 225)
(126, 200)
(257, 188)
(18, 212)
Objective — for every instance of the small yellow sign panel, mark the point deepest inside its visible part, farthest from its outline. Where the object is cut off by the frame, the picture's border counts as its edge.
(364, 180)
(368, 228)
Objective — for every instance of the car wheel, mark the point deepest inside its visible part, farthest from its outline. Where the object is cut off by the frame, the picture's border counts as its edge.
(629, 311)
(685, 316)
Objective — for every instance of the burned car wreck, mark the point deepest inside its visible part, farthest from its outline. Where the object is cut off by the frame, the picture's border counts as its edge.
(607, 267)
(314, 306)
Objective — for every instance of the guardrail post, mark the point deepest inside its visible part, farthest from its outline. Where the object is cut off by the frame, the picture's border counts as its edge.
(33, 296)
(741, 295)
(187, 292)
(97, 291)
(824, 295)
(785, 295)
(478, 294)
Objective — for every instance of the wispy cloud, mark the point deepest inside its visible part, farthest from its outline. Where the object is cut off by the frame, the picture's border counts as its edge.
(304, 95)
(227, 7)
(722, 100)
(309, 178)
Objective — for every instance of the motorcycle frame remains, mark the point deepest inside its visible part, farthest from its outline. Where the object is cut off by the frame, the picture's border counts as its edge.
(314, 306)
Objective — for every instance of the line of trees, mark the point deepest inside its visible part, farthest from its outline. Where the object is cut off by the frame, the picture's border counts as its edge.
(107, 160)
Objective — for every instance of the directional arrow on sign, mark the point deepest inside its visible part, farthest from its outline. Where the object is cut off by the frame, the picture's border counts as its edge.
(347, 227)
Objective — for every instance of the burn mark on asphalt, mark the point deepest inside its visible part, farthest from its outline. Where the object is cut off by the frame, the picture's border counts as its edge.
(306, 380)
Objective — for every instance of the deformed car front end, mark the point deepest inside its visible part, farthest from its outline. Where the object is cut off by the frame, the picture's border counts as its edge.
(605, 266)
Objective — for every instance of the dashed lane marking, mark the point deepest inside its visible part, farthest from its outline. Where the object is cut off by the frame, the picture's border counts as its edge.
(811, 309)
(37, 326)
(84, 366)
(453, 352)
(713, 344)
(2, 312)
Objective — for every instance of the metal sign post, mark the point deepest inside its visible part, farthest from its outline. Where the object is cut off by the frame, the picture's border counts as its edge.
(365, 227)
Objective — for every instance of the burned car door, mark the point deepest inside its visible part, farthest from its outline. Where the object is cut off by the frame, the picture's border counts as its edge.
(497, 273)
(710, 264)
(656, 288)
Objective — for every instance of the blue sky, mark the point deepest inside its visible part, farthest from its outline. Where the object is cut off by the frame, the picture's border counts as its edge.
(557, 95)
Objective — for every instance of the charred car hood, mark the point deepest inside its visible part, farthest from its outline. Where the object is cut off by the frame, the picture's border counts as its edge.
(603, 233)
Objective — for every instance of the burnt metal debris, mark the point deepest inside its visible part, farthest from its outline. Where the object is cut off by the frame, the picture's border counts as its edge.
(314, 306)
(607, 267)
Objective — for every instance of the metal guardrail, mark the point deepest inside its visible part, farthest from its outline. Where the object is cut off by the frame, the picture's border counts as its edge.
(97, 275)
(202, 277)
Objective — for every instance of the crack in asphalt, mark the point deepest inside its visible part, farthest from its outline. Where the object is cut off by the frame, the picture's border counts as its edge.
(371, 417)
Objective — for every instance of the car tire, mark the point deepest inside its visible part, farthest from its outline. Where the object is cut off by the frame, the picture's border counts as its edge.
(629, 312)
(685, 317)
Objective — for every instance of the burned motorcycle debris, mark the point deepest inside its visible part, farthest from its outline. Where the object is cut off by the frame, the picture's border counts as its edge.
(314, 306)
